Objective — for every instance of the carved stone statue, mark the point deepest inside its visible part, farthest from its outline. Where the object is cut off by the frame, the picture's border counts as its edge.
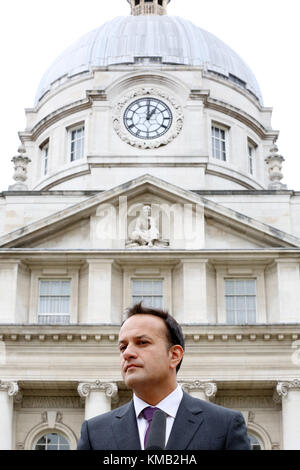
(146, 233)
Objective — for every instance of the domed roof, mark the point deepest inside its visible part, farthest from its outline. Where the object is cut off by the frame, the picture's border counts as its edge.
(171, 39)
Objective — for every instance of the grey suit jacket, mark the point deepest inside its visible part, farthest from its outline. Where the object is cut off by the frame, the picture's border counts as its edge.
(199, 425)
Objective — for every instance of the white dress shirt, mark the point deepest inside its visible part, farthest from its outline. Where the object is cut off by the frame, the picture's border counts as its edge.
(169, 405)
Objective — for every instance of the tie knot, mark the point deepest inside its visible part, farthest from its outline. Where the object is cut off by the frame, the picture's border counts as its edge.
(149, 412)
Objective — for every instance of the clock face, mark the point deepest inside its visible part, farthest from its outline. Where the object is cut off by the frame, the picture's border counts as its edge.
(148, 118)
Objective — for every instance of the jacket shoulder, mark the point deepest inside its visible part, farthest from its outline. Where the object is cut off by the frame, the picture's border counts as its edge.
(107, 417)
(215, 412)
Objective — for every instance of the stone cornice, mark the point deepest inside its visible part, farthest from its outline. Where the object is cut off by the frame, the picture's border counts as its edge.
(54, 117)
(106, 335)
(172, 256)
(250, 122)
(236, 113)
(60, 113)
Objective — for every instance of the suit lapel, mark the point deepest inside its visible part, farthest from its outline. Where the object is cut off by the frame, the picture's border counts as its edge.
(125, 429)
(188, 420)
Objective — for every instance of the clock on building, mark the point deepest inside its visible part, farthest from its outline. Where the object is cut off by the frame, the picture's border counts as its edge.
(148, 118)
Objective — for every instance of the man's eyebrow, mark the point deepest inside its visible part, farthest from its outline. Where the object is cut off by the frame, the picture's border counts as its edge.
(136, 337)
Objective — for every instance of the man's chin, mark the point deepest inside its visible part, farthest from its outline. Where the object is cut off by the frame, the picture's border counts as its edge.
(133, 379)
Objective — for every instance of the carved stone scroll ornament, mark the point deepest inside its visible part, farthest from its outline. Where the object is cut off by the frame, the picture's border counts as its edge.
(283, 388)
(11, 388)
(109, 388)
(171, 134)
(209, 388)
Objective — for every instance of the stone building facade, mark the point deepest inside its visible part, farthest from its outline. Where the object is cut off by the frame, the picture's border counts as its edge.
(148, 170)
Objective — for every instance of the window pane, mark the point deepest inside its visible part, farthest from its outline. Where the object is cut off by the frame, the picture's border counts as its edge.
(54, 298)
(240, 300)
(149, 291)
(219, 143)
(52, 441)
(255, 443)
(76, 143)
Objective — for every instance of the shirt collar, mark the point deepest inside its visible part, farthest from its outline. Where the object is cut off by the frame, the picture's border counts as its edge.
(169, 404)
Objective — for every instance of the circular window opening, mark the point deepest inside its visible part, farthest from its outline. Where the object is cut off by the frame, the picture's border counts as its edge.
(256, 444)
(52, 441)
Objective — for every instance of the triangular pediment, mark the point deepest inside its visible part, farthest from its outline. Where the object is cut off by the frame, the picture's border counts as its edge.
(218, 226)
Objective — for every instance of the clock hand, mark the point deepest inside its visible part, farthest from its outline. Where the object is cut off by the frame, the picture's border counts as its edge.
(148, 111)
(152, 112)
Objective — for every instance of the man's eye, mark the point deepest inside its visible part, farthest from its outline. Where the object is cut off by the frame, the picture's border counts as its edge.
(122, 348)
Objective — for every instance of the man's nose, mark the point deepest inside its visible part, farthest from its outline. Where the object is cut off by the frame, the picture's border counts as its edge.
(129, 352)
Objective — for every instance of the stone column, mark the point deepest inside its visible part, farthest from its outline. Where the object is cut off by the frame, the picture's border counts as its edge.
(7, 391)
(198, 389)
(290, 394)
(98, 396)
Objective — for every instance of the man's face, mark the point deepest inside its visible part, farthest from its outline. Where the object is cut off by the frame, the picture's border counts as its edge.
(144, 352)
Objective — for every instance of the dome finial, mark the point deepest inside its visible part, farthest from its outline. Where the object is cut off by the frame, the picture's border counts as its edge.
(148, 7)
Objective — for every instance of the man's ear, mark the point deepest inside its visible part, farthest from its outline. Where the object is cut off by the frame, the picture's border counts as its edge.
(176, 353)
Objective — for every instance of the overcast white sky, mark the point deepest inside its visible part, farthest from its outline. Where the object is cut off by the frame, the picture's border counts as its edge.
(264, 33)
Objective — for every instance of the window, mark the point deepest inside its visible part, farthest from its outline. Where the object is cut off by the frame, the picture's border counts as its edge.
(251, 158)
(54, 301)
(219, 145)
(52, 441)
(149, 291)
(240, 296)
(45, 156)
(255, 443)
(76, 143)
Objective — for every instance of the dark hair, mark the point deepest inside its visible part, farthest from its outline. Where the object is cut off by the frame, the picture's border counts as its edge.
(174, 331)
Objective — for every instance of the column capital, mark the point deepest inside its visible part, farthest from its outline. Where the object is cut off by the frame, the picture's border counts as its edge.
(283, 388)
(12, 388)
(208, 388)
(109, 388)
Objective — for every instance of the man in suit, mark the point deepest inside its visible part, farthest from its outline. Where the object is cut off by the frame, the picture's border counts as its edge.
(151, 346)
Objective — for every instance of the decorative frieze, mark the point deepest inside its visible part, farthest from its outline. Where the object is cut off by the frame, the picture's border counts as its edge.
(51, 402)
(247, 402)
(218, 333)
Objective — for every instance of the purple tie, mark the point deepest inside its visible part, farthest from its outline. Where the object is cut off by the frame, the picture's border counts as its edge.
(148, 414)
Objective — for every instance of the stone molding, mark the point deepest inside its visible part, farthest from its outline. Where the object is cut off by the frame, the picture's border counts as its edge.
(283, 388)
(108, 334)
(209, 388)
(12, 388)
(109, 388)
(124, 135)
